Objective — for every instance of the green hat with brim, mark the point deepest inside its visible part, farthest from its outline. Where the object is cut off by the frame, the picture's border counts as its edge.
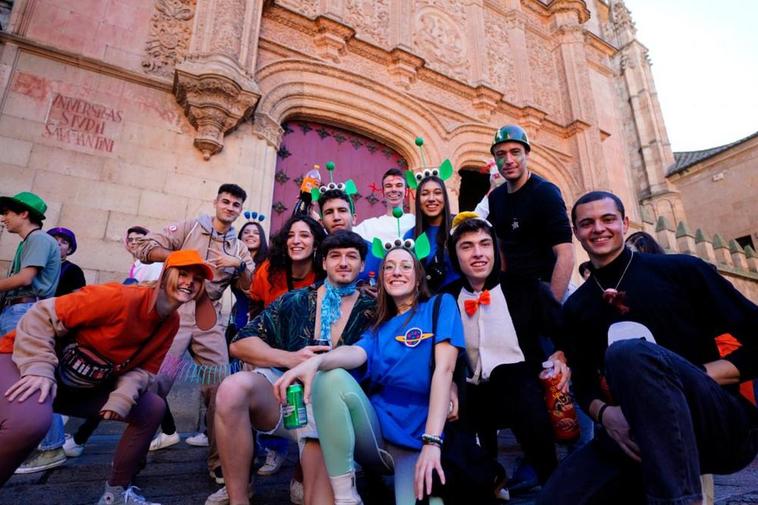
(510, 133)
(29, 201)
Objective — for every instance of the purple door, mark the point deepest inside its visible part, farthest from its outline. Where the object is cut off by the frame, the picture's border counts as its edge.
(306, 144)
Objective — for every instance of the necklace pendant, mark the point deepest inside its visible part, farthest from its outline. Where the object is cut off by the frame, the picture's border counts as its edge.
(610, 293)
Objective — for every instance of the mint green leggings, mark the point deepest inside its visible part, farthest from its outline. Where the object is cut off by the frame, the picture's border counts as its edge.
(349, 430)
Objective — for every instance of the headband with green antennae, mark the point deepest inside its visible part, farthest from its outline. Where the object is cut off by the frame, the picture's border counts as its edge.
(419, 247)
(348, 187)
(444, 171)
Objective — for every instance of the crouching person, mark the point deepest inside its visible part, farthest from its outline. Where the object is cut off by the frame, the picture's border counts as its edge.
(281, 337)
(94, 352)
(503, 316)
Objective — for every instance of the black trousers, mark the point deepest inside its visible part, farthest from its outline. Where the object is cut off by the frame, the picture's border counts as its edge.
(512, 398)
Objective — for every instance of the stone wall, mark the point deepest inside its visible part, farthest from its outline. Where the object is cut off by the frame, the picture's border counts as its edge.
(738, 265)
(719, 193)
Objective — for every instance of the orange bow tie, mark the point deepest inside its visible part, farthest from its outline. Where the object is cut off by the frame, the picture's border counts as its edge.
(472, 305)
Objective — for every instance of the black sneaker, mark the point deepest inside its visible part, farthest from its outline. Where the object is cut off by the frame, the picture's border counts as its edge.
(217, 475)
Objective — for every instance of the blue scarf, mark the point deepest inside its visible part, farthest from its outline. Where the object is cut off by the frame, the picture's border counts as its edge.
(330, 306)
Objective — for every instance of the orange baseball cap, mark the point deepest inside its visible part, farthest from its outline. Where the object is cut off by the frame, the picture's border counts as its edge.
(188, 258)
(205, 312)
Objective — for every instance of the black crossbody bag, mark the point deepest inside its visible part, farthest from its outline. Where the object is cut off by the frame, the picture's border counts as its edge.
(470, 475)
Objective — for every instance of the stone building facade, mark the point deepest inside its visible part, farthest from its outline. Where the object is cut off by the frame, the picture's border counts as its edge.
(718, 189)
(122, 112)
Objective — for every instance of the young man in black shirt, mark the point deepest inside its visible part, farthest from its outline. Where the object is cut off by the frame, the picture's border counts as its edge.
(529, 216)
(646, 367)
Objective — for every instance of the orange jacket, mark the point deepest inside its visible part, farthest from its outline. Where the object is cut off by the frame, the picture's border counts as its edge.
(261, 290)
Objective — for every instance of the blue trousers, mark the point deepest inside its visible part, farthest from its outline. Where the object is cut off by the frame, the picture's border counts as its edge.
(684, 423)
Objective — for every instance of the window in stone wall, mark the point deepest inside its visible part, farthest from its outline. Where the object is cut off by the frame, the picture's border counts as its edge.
(745, 241)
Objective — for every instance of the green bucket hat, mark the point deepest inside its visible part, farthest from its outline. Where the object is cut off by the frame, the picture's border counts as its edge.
(29, 201)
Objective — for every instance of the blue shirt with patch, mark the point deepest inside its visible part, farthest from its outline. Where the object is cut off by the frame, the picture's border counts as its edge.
(399, 367)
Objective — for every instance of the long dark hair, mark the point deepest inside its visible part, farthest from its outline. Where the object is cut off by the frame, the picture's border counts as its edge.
(279, 259)
(386, 308)
(262, 253)
(422, 220)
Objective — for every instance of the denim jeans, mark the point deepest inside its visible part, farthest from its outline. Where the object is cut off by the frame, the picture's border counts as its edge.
(11, 315)
(684, 423)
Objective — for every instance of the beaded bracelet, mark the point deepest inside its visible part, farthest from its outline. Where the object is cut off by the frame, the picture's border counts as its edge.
(432, 439)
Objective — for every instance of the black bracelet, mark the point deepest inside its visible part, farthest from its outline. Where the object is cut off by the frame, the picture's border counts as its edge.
(432, 440)
(600, 413)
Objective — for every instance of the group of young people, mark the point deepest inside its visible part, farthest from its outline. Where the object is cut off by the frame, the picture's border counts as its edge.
(397, 328)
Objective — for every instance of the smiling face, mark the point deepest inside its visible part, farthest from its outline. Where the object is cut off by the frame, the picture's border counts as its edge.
(393, 188)
(183, 284)
(342, 265)
(399, 275)
(13, 221)
(475, 251)
(132, 242)
(600, 229)
(336, 215)
(228, 208)
(300, 242)
(432, 200)
(511, 159)
(251, 237)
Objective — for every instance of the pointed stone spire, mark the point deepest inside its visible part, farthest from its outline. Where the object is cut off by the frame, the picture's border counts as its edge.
(752, 259)
(685, 241)
(738, 255)
(703, 248)
(723, 255)
(664, 234)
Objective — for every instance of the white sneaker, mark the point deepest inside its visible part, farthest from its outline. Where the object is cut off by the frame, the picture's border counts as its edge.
(117, 495)
(198, 440)
(297, 496)
(161, 441)
(221, 497)
(273, 464)
(71, 448)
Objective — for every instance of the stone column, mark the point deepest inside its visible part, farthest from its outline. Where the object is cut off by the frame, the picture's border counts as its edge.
(569, 16)
(215, 83)
(267, 137)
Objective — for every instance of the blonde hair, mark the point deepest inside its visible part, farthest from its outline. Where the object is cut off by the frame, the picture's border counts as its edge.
(171, 278)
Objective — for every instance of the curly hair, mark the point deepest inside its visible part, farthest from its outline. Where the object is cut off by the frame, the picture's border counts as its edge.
(279, 260)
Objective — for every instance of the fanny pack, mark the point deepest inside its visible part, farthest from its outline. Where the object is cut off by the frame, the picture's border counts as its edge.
(82, 367)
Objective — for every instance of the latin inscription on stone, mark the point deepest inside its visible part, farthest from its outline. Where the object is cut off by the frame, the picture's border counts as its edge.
(81, 123)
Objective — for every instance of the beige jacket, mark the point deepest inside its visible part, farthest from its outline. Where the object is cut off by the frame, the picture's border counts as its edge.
(200, 235)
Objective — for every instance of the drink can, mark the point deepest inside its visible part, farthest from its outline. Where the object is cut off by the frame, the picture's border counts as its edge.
(294, 413)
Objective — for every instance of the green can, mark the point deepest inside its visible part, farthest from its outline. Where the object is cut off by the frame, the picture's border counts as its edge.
(294, 413)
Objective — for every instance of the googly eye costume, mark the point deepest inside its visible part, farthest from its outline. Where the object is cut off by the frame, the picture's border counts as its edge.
(348, 187)
(419, 247)
(414, 179)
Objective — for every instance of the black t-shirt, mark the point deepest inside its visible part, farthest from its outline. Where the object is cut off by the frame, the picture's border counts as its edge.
(71, 279)
(528, 223)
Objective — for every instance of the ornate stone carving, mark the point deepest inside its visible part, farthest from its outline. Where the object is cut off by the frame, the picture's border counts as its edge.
(370, 19)
(499, 60)
(308, 8)
(331, 39)
(228, 28)
(269, 130)
(214, 103)
(545, 80)
(486, 101)
(404, 67)
(439, 39)
(168, 40)
(622, 18)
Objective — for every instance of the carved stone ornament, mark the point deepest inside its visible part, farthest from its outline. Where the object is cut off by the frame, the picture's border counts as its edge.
(404, 67)
(269, 130)
(370, 18)
(214, 101)
(331, 39)
(440, 41)
(168, 40)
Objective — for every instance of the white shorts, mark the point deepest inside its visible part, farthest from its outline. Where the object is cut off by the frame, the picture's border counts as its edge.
(299, 435)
